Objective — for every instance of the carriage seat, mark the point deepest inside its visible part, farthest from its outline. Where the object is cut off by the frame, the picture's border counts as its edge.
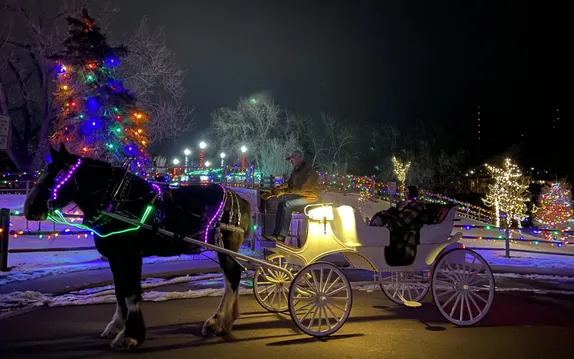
(349, 227)
(441, 224)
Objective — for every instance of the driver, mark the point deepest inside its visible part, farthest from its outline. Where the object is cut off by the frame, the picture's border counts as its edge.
(301, 189)
(403, 223)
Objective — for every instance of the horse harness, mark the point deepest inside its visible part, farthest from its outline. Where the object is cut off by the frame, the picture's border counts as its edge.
(122, 189)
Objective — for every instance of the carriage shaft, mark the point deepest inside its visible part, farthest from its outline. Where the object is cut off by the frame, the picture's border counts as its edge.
(212, 247)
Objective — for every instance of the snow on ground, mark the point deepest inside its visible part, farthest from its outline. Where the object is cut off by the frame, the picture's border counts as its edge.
(14, 202)
(528, 260)
(33, 271)
(209, 285)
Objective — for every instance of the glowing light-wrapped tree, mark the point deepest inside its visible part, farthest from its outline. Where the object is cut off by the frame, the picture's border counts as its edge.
(98, 116)
(401, 169)
(509, 193)
(554, 209)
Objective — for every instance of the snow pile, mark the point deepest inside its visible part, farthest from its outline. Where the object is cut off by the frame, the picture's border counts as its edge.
(528, 260)
(35, 270)
(207, 285)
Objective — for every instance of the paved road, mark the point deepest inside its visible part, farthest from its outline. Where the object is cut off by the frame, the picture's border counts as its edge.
(520, 325)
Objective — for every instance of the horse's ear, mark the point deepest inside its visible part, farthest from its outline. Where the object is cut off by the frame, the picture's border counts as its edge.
(53, 153)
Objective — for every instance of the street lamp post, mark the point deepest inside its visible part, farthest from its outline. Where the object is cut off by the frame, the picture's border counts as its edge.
(243, 158)
(175, 163)
(186, 152)
(202, 146)
(222, 156)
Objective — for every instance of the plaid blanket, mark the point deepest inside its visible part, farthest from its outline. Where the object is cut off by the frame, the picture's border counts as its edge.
(404, 226)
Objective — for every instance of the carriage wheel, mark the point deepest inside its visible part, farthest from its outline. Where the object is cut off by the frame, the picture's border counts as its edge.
(412, 286)
(320, 299)
(463, 287)
(271, 286)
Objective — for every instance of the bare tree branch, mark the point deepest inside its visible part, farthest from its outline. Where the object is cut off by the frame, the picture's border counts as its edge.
(152, 73)
(262, 127)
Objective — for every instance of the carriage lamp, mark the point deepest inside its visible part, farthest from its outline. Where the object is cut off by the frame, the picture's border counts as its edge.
(323, 213)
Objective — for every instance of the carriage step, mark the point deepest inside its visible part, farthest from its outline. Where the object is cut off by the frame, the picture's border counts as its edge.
(412, 303)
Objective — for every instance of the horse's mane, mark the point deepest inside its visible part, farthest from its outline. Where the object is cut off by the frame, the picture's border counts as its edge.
(95, 162)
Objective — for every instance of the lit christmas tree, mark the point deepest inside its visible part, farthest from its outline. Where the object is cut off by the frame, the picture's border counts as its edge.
(509, 193)
(98, 117)
(554, 209)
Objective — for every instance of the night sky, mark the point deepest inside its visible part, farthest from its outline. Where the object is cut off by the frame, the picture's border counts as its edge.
(372, 61)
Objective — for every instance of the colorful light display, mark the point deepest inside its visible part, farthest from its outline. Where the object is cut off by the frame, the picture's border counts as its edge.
(554, 209)
(98, 117)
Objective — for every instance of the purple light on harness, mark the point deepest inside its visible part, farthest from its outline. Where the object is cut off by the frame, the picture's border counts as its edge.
(68, 176)
(216, 215)
(156, 188)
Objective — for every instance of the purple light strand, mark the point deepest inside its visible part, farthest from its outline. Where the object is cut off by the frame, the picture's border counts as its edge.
(68, 176)
(216, 214)
(156, 188)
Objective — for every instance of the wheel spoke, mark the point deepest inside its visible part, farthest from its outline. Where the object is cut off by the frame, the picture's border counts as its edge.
(454, 306)
(485, 301)
(328, 306)
(327, 281)
(335, 291)
(468, 307)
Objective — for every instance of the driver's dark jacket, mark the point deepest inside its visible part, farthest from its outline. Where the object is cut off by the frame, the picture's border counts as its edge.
(304, 182)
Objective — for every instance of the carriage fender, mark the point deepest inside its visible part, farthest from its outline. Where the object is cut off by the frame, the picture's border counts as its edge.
(450, 244)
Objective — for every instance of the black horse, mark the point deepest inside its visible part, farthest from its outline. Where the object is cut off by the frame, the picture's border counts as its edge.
(96, 186)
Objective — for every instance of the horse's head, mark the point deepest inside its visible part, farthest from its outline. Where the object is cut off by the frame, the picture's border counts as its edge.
(55, 188)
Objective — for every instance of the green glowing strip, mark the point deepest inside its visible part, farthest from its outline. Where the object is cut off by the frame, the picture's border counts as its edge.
(60, 219)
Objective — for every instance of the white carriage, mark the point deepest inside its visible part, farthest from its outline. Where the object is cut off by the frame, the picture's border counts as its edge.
(318, 295)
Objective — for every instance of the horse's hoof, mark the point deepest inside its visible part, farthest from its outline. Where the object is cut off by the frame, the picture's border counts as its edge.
(211, 328)
(121, 342)
(110, 333)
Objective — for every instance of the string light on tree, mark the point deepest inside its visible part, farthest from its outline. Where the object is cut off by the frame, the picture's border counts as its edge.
(97, 116)
(401, 169)
(554, 209)
(509, 193)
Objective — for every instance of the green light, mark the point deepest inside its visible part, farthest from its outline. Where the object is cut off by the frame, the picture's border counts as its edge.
(118, 129)
(90, 78)
(110, 145)
(60, 219)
